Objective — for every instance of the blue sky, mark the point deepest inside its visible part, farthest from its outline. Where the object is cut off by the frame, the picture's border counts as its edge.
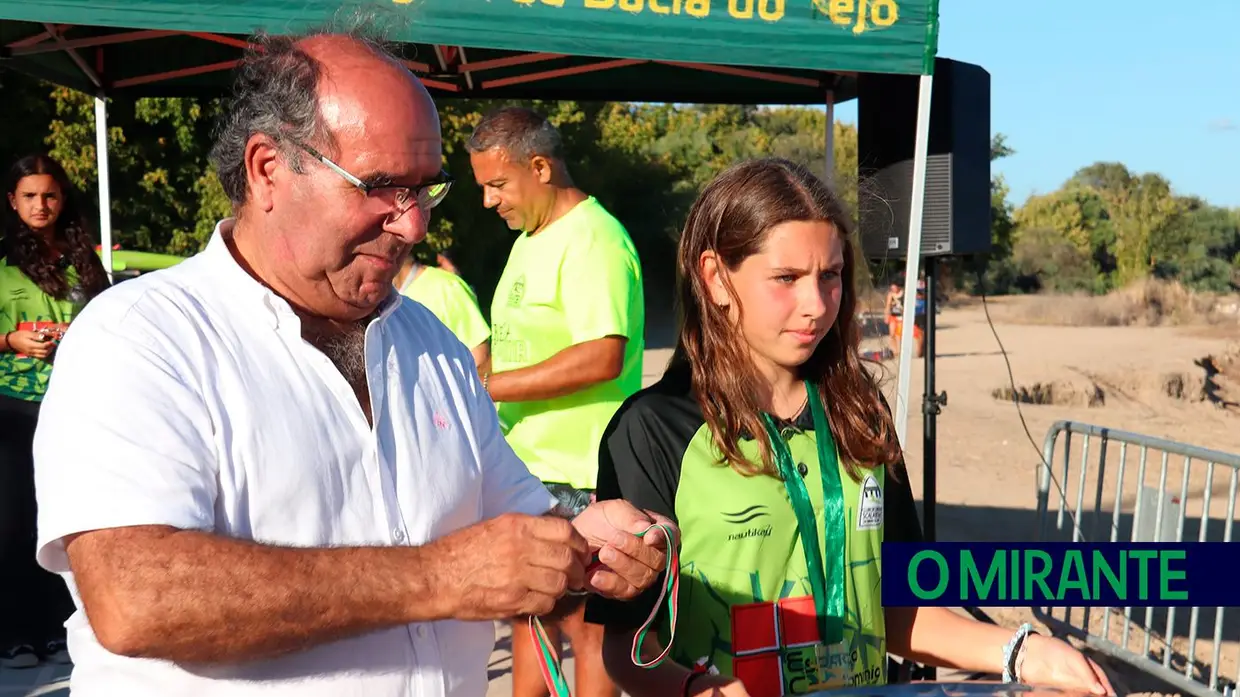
(1150, 83)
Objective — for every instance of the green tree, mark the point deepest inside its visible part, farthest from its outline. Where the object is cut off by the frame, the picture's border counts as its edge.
(1000, 274)
(1053, 262)
(160, 181)
(1199, 249)
(1141, 208)
(1001, 223)
(1080, 215)
(27, 114)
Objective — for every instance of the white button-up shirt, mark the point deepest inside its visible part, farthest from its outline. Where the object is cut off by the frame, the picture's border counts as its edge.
(188, 398)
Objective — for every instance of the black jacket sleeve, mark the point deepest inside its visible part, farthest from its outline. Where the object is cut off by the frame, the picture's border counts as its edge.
(901, 522)
(639, 462)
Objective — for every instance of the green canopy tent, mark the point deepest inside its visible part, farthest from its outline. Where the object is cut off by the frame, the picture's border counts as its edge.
(707, 51)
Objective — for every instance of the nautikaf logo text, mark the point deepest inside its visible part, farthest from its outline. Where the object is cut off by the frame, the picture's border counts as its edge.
(746, 517)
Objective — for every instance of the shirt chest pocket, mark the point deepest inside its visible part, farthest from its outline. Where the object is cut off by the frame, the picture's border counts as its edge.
(535, 283)
(428, 450)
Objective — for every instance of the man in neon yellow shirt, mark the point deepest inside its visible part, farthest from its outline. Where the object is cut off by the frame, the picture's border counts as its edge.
(450, 299)
(568, 324)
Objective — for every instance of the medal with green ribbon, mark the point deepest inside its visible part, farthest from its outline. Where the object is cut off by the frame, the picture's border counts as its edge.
(828, 599)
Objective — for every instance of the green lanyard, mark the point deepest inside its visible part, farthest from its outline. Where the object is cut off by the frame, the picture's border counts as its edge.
(828, 601)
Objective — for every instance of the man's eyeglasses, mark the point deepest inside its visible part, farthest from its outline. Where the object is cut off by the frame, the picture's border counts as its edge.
(426, 195)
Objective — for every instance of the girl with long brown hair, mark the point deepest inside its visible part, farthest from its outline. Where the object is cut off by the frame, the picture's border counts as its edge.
(49, 270)
(770, 445)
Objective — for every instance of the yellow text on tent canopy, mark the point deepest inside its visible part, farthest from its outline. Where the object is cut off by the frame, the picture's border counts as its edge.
(861, 15)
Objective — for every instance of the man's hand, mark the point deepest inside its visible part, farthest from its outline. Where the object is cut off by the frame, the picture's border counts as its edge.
(629, 564)
(509, 566)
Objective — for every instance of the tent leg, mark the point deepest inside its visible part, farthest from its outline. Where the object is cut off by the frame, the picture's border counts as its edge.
(830, 173)
(105, 193)
(920, 155)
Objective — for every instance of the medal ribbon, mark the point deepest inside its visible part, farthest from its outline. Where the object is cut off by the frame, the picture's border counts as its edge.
(669, 591)
(828, 600)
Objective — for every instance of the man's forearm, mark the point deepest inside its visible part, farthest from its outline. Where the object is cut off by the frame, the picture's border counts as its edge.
(197, 597)
(567, 372)
(550, 379)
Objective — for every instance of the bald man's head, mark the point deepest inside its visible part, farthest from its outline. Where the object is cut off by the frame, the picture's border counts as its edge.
(332, 157)
(284, 83)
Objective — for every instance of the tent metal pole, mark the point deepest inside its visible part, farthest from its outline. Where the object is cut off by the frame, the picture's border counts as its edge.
(921, 153)
(830, 154)
(105, 193)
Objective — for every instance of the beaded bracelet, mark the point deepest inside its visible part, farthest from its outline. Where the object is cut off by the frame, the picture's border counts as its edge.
(1013, 653)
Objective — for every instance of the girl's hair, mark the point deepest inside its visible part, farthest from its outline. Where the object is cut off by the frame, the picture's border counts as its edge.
(732, 218)
(32, 253)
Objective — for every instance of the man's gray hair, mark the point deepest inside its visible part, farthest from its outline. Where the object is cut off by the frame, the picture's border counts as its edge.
(523, 134)
(276, 94)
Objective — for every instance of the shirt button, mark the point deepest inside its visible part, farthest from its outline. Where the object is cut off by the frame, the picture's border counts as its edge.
(399, 535)
(421, 631)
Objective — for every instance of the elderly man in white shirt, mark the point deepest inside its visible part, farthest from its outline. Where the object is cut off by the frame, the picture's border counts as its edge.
(263, 472)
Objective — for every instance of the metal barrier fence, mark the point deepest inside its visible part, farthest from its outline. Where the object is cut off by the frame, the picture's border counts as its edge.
(1141, 508)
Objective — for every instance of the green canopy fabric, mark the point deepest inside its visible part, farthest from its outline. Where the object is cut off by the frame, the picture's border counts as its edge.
(711, 51)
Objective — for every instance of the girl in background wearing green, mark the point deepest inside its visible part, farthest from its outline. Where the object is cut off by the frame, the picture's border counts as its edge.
(48, 270)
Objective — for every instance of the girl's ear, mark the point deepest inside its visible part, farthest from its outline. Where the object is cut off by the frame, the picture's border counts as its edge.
(712, 277)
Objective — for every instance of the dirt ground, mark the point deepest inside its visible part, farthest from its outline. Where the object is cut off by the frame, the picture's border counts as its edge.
(1177, 383)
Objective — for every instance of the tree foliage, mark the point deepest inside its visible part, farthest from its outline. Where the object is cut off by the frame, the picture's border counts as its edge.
(1105, 226)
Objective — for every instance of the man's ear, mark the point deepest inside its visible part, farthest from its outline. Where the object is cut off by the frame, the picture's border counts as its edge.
(543, 169)
(263, 169)
(712, 277)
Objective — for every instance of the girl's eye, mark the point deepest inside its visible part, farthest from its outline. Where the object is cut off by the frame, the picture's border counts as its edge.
(830, 275)
(786, 278)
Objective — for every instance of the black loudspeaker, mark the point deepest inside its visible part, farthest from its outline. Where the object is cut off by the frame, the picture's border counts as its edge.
(956, 217)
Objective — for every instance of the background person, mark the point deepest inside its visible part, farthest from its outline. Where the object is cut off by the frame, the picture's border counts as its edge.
(48, 271)
(568, 324)
(767, 373)
(444, 261)
(449, 298)
(893, 311)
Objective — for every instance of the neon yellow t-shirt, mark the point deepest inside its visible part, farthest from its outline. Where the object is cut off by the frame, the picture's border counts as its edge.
(23, 377)
(577, 280)
(450, 299)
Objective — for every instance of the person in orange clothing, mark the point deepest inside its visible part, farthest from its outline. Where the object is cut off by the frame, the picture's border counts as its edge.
(893, 309)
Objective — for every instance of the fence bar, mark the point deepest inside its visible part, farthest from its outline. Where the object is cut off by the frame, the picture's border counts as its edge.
(1078, 535)
(1218, 612)
(1195, 614)
(1136, 516)
(1158, 516)
(1192, 678)
(1179, 537)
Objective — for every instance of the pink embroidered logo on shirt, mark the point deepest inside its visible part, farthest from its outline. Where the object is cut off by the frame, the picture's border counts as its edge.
(441, 421)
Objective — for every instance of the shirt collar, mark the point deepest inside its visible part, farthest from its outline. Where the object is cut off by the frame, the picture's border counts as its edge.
(274, 309)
